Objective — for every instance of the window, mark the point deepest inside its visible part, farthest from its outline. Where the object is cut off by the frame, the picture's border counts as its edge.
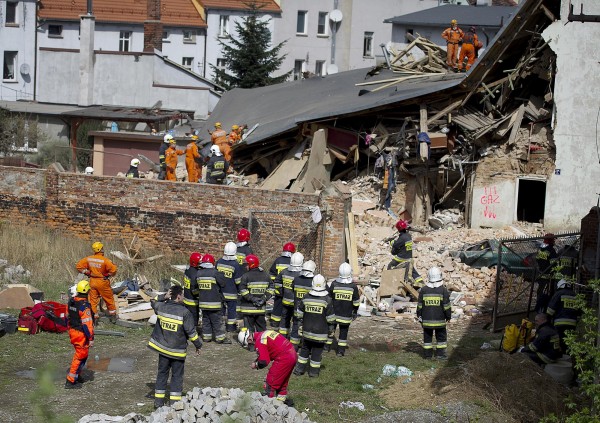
(11, 13)
(319, 67)
(189, 36)
(322, 24)
(165, 36)
(125, 41)
(55, 31)
(10, 66)
(298, 68)
(223, 26)
(187, 62)
(301, 22)
(406, 37)
(368, 45)
(222, 66)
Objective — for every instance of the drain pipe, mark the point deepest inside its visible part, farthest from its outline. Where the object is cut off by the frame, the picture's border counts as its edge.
(386, 55)
(333, 34)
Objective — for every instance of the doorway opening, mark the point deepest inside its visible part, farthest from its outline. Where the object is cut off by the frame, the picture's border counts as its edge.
(531, 200)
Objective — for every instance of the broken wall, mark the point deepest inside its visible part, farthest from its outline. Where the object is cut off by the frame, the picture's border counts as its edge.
(177, 216)
(573, 188)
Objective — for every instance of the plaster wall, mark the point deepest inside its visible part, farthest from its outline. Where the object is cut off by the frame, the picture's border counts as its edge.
(493, 203)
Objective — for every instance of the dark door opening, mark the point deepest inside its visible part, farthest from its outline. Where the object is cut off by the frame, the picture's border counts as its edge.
(531, 200)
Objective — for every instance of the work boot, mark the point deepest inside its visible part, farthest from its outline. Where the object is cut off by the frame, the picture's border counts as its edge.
(340, 353)
(73, 385)
(224, 341)
(158, 404)
(441, 356)
(81, 379)
(289, 402)
(300, 370)
(314, 372)
(427, 354)
(327, 348)
(113, 318)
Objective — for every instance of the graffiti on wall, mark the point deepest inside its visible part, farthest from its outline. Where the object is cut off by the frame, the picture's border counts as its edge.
(490, 199)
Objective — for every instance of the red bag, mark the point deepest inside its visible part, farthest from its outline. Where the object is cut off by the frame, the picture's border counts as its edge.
(51, 316)
(27, 323)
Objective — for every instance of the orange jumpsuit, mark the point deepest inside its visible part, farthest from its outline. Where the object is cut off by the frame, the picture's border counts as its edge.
(218, 136)
(192, 157)
(452, 37)
(99, 268)
(171, 160)
(234, 137)
(81, 333)
(470, 44)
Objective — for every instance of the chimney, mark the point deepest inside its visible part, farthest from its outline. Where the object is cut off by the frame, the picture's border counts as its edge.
(153, 28)
(86, 57)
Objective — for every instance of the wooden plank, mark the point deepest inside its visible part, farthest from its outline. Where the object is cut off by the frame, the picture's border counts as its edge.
(516, 125)
(445, 111)
(315, 167)
(405, 51)
(353, 244)
(136, 315)
(348, 244)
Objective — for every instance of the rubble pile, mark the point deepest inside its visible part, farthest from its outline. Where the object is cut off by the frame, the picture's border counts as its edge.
(213, 405)
(13, 274)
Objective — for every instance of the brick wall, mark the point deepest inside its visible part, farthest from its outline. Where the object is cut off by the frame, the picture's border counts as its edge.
(179, 216)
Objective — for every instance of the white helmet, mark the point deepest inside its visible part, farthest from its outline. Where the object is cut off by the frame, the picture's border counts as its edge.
(89, 170)
(562, 284)
(135, 162)
(230, 249)
(296, 260)
(215, 150)
(167, 138)
(319, 284)
(434, 275)
(309, 266)
(243, 337)
(345, 271)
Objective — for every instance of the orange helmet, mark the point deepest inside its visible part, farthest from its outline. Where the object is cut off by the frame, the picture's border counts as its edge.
(252, 261)
(207, 258)
(243, 235)
(195, 259)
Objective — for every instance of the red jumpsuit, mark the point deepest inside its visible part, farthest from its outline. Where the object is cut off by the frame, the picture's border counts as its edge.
(272, 346)
(81, 332)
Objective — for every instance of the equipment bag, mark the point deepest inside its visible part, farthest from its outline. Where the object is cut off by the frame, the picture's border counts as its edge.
(515, 336)
(26, 322)
(51, 316)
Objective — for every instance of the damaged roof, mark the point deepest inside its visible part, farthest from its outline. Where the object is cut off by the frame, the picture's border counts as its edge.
(481, 16)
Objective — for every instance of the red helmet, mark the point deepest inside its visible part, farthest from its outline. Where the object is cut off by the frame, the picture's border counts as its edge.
(195, 259)
(243, 235)
(289, 247)
(549, 239)
(252, 261)
(208, 259)
(402, 225)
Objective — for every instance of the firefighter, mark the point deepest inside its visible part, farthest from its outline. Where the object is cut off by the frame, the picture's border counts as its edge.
(253, 297)
(281, 263)
(545, 260)
(469, 48)
(301, 285)
(566, 263)
(133, 171)
(217, 166)
(162, 155)
(235, 135)
(402, 251)
(243, 246)
(564, 311)
(211, 283)
(99, 269)
(175, 326)
(81, 333)
(545, 346)
(219, 138)
(286, 280)
(453, 36)
(232, 271)
(193, 160)
(190, 286)
(316, 317)
(171, 159)
(272, 346)
(433, 311)
(344, 294)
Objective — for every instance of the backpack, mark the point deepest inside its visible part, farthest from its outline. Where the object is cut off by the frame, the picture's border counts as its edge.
(27, 323)
(515, 336)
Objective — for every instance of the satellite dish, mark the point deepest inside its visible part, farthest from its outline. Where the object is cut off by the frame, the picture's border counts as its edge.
(24, 69)
(336, 15)
(331, 69)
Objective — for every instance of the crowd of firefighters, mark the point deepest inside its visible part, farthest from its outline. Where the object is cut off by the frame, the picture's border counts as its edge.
(467, 41)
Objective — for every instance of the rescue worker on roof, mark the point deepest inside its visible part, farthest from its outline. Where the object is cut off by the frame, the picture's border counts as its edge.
(280, 264)
(243, 246)
(99, 269)
(211, 283)
(190, 286)
(172, 160)
(301, 285)
(545, 260)
(469, 48)
(545, 346)
(272, 346)
(453, 36)
(253, 297)
(344, 294)
(173, 329)
(433, 311)
(216, 168)
(81, 333)
(402, 251)
(193, 160)
(162, 155)
(316, 317)
(219, 135)
(232, 271)
(133, 169)
(286, 281)
(564, 311)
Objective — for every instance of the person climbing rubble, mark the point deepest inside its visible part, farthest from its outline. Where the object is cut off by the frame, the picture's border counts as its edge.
(81, 333)
(253, 297)
(469, 48)
(211, 284)
(232, 271)
(453, 36)
(285, 280)
(280, 264)
(402, 251)
(345, 297)
(433, 311)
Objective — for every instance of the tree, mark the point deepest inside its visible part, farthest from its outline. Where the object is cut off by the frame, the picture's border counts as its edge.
(248, 58)
(18, 131)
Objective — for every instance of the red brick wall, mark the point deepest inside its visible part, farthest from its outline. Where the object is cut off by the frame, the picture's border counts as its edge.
(178, 216)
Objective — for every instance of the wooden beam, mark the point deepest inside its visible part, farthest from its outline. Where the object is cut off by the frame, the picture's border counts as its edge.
(353, 245)
(516, 125)
(445, 111)
(423, 117)
(405, 51)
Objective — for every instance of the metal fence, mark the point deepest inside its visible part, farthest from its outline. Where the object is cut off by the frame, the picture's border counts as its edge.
(519, 278)
(273, 228)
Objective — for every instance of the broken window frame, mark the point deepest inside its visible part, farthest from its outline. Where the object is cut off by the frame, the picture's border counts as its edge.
(368, 44)
(125, 41)
(8, 74)
(302, 18)
(223, 26)
(12, 14)
(322, 27)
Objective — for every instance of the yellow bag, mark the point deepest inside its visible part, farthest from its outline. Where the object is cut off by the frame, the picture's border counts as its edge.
(516, 336)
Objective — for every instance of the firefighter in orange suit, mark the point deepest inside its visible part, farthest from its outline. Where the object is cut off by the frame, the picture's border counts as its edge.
(192, 160)
(98, 268)
(469, 48)
(453, 36)
(81, 332)
(219, 137)
(171, 159)
(235, 135)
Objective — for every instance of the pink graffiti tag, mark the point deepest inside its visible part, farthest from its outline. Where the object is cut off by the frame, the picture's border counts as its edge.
(489, 198)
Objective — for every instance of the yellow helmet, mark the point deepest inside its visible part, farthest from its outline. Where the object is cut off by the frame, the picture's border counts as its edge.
(453, 22)
(172, 141)
(218, 125)
(195, 137)
(235, 127)
(97, 247)
(83, 287)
